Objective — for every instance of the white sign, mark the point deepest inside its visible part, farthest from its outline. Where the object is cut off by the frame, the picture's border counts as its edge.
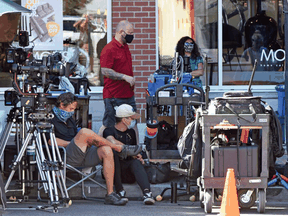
(46, 22)
(273, 55)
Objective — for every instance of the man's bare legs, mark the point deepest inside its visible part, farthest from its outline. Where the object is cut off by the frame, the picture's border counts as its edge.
(86, 137)
(105, 154)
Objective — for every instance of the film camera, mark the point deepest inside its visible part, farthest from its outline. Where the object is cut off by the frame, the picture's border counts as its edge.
(19, 55)
(32, 77)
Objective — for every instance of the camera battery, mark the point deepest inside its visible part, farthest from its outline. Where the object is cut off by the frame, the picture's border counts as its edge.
(23, 38)
(11, 98)
(28, 101)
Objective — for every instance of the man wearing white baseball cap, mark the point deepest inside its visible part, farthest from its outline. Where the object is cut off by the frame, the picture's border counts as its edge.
(129, 169)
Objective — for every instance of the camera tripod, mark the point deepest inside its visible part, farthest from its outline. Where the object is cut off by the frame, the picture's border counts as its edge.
(47, 159)
(13, 118)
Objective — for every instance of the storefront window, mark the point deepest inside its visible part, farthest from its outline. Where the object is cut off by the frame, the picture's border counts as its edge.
(256, 33)
(84, 36)
(176, 20)
(250, 30)
(85, 23)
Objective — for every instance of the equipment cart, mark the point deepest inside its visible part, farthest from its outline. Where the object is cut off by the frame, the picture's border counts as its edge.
(172, 96)
(249, 160)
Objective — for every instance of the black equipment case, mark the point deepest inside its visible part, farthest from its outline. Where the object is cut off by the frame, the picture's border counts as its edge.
(223, 157)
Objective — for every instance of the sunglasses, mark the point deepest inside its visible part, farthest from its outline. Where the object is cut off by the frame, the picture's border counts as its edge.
(189, 46)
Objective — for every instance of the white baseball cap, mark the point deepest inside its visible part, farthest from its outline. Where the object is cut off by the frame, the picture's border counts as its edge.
(125, 110)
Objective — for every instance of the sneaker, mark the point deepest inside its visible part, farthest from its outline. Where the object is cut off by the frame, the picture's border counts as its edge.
(122, 195)
(114, 199)
(148, 199)
(130, 150)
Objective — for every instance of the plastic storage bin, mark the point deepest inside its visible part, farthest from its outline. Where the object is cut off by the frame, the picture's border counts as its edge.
(281, 99)
(281, 107)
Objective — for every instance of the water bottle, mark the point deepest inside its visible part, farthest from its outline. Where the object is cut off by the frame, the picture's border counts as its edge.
(31, 153)
(81, 90)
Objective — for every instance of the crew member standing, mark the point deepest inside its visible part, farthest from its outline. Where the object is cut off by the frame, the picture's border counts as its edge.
(116, 67)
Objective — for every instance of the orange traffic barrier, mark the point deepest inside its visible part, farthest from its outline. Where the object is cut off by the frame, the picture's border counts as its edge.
(229, 204)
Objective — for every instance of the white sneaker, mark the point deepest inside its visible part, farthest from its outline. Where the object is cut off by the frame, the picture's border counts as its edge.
(148, 199)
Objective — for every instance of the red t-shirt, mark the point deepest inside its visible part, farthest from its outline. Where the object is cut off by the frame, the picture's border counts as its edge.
(117, 57)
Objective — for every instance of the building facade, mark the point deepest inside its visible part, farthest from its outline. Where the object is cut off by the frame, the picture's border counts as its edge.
(230, 45)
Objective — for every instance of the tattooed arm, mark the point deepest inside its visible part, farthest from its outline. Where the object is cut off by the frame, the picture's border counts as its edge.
(110, 73)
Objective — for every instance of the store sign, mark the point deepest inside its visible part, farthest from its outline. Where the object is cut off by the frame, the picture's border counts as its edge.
(273, 56)
(46, 22)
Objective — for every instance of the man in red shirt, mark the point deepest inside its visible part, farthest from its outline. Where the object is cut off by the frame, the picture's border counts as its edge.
(116, 66)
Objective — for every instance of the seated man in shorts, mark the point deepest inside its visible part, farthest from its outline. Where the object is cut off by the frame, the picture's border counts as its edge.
(85, 148)
(129, 169)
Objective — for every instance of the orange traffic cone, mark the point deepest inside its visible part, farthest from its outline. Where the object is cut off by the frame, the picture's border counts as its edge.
(229, 204)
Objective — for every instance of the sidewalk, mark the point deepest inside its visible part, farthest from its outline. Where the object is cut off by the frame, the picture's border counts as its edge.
(274, 194)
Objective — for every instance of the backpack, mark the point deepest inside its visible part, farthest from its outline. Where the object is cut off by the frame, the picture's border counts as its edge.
(166, 137)
(184, 146)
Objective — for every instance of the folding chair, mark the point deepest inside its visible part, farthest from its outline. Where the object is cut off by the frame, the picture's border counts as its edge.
(84, 176)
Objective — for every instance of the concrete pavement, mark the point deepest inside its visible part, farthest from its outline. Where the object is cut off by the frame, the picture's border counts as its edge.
(182, 208)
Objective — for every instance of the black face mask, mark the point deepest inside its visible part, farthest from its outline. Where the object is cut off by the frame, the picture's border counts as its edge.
(129, 38)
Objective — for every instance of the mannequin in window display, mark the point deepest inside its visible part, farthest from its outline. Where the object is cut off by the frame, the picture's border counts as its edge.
(267, 27)
(186, 46)
(255, 51)
(85, 41)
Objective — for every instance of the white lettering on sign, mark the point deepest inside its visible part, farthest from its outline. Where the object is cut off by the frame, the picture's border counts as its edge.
(272, 55)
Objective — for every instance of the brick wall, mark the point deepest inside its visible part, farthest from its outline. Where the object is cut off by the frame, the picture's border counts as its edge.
(141, 13)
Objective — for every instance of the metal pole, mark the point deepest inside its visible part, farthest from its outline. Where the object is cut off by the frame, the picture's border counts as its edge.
(286, 66)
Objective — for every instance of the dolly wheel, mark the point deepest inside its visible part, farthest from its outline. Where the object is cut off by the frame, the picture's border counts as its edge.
(208, 201)
(261, 200)
(243, 202)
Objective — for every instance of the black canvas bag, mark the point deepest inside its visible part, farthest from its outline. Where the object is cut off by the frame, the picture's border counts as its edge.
(158, 172)
(239, 105)
(238, 102)
(166, 137)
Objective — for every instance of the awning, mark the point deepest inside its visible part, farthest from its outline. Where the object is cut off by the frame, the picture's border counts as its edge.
(7, 6)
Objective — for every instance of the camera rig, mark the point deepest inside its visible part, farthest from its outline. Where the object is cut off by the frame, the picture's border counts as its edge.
(31, 82)
(32, 78)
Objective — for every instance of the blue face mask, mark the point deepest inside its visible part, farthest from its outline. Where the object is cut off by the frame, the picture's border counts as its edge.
(132, 124)
(62, 114)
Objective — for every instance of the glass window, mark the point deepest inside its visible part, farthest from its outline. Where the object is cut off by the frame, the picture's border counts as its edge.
(85, 23)
(175, 21)
(85, 39)
(250, 30)
(8, 30)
